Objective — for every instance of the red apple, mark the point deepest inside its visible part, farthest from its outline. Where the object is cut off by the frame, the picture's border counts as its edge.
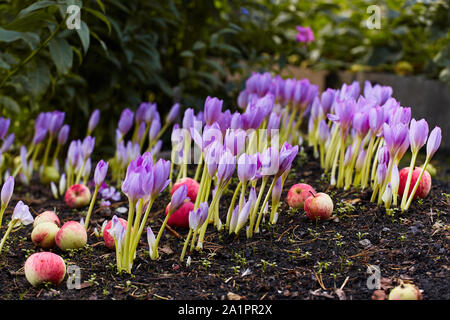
(43, 235)
(405, 291)
(46, 216)
(180, 218)
(109, 240)
(297, 195)
(424, 184)
(319, 206)
(72, 235)
(192, 187)
(44, 267)
(77, 196)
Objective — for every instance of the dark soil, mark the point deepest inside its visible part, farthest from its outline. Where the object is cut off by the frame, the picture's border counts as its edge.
(295, 259)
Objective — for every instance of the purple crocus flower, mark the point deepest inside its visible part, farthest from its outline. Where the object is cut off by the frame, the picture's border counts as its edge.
(39, 135)
(274, 122)
(286, 157)
(141, 132)
(226, 167)
(305, 34)
(350, 91)
(63, 134)
(236, 121)
(154, 129)
(418, 133)
(253, 116)
(259, 84)
(360, 160)
(161, 171)
(383, 155)
(344, 112)
(178, 198)
(213, 154)
(74, 153)
(377, 93)
(242, 100)
(7, 143)
(213, 110)
(55, 122)
(100, 172)
(324, 132)
(434, 141)
(278, 88)
(235, 140)
(22, 214)
(4, 126)
(87, 146)
(276, 191)
(381, 172)
(189, 118)
(145, 112)
(139, 178)
(224, 121)
(173, 113)
(376, 120)
(327, 99)
(198, 217)
(361, 123)
(7, 191)
(93, 120)
(125, 121)
(247, 166)
(289, 87)
(396, 138)
(269, 160)
(210, 134)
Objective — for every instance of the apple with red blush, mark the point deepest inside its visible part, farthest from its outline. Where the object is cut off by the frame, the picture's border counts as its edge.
(192, 187)
(180, 218)
(298, 194)
(77, 196)
(318, 206)
(424, 185)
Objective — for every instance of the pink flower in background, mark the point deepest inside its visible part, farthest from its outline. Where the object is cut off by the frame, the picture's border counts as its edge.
(305, 35)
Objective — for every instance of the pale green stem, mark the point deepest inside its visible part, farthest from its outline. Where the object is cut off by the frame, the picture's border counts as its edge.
(266, 199)
(256, 207)
(91, 207)
(231, 208)
(126, 246)
(413, 192)
(10, 227)
(186, 243)
(408, 180)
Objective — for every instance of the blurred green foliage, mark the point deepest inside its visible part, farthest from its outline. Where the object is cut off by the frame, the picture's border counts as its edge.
(182, 50)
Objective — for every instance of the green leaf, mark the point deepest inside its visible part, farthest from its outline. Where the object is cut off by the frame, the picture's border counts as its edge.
(198, 45)
(4, 64)
(38, 79)
(9, 103)
(187, 54)
(83, 33)
(35, 6)
(30, 38)
(226, 47)
(35, 21)
(216, 65)
(100, 16)
(62, 54)
(101, 5)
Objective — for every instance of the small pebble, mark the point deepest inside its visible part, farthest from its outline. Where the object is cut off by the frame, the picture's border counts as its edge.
(386, 229)
(122, 210)
(365, 242)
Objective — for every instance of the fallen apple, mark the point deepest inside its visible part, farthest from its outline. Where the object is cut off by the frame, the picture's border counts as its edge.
(180, 218)
(77, 196)
(192, 187)
(109, 240)
(46, 216)
(297, 195)
(319, 206)
(72, 235)
(424, 185)
(43, 235)
(43, 267)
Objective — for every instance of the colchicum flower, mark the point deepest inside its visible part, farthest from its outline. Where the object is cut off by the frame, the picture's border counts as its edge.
(21, 216)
